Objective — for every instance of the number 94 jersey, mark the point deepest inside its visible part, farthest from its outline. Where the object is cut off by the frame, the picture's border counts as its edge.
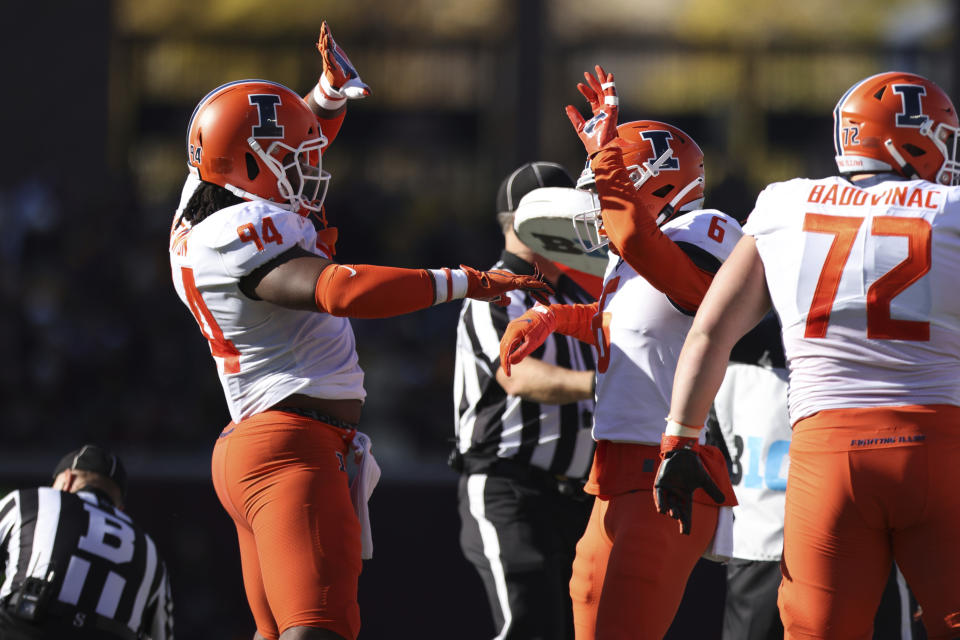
(864, 278)
(643, 331)
(263, 352)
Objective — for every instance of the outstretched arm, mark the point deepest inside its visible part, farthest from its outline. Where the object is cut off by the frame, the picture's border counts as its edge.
(298, 279)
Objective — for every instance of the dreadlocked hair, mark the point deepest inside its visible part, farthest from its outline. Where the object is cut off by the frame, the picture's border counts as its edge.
(206, 200)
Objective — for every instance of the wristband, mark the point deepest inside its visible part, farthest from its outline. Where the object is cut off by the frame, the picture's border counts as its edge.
(680, 430)
(448, 284)
(323, 100)
(678, 436)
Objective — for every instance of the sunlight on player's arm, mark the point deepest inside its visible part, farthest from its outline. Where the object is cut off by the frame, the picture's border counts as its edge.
(735, 302)
(537, 381)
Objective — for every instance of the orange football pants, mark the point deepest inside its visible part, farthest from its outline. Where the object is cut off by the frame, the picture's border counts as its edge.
(632, 563)
(283, 480)
(868, 487)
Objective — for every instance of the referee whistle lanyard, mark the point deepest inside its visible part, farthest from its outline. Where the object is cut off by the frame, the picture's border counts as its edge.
(361, 488)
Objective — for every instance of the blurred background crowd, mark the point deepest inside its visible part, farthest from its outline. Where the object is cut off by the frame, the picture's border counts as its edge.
(94, 345)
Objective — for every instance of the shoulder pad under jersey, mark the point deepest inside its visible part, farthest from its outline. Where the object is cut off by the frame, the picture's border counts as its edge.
(247, 235)
(710, 229)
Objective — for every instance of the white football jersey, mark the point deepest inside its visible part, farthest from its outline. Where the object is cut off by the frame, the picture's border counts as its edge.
(863, 282)
(751, 409)
(263, 352)
(644, 333)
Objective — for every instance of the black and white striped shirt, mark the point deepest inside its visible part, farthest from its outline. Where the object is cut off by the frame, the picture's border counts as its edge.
(103, 566)
(491, 424)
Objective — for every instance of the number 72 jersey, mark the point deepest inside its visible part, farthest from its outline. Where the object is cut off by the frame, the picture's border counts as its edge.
(864, 279)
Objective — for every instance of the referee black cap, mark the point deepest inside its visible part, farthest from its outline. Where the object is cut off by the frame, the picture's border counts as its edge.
(91, 457)
(528, 177)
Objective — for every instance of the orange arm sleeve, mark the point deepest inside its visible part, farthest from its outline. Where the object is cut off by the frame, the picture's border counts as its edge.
(576, 320)
(633, 231)
(331, 126)
(368, 291)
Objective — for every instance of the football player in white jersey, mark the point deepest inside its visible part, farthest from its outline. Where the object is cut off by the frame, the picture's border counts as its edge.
(751, 420)
(251, 259)
(860, 269)
(632, 565)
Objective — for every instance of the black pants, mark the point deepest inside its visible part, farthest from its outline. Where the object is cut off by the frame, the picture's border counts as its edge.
(52, 628)
(751, 611)
(521, 536)
(15, 629)
(12, 628)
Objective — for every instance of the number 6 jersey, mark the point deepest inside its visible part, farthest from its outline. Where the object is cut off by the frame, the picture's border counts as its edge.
(864, 277)
(263, 352)
(643, 332)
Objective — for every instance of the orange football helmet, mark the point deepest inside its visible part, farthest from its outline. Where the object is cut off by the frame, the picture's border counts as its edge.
(660, 158)
(260, 141)
(897, 121)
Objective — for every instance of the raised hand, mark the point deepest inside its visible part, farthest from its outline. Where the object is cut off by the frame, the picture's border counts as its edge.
(525, 334)
(593, 91)
(339, 79)
(492, 286)
(600, 129)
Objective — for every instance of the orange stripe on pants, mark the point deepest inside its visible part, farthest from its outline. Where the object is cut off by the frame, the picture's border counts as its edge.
(867, 487)
(281, 479)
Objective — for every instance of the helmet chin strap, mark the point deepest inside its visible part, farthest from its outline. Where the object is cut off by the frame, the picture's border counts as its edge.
(276, 170)
(667, 213)
(905, 167)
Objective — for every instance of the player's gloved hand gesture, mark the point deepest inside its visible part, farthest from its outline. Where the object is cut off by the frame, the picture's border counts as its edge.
(600, 129)
(493, 285)
(525, 334)
(593, 90)
(681, 473)
(339, 80)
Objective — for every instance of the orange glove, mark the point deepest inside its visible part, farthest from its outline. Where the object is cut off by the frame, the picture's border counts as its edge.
(339, 80)
(593, 91)
(601, 129)
(492, 285)
(525, 334)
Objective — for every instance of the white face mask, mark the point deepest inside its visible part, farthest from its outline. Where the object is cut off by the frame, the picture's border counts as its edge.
(945, 138)
(589, 225)
(301, 179)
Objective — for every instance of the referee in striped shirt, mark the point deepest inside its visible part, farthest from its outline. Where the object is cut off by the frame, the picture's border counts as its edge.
(523, 442)
(74, 565)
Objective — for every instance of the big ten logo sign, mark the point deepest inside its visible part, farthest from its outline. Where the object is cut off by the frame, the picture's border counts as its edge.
(560, 244)
(760, 464)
